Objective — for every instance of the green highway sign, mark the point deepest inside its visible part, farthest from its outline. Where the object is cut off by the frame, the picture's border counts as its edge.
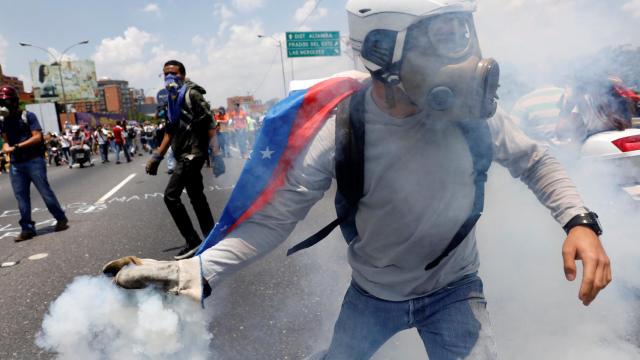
(313, 43)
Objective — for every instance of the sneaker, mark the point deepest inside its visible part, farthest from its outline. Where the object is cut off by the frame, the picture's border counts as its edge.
(117, 162)
(169, 172)
(25, 235)
(61, 225)
(186, 253)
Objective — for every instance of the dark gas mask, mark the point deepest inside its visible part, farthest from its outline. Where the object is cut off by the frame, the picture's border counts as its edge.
(7, 106)
(438, 64)
(443, 70)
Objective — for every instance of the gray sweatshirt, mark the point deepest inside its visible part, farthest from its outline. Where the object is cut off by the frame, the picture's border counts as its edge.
(418, 191)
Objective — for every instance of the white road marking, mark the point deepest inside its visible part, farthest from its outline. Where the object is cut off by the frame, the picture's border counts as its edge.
(633, 191)
(115, 189)
(38, 256)
(9, 264)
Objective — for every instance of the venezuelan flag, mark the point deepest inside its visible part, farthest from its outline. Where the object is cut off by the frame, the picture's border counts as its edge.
(288, 128)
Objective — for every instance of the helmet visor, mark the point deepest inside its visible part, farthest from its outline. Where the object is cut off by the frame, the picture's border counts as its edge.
(446, 35)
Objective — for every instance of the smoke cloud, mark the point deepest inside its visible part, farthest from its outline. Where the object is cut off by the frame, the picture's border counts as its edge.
(93, 319)
(535, 312)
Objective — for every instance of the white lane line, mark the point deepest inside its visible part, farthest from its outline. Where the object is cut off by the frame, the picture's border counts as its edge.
(634, 192)
(38, 256)
(115, 189)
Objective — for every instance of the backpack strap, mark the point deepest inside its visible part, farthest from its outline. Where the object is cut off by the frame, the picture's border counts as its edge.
(349, 159)
(187, 99)
(478, 137)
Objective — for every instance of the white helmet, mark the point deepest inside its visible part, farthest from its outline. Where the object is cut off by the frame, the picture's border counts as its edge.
(396, 16)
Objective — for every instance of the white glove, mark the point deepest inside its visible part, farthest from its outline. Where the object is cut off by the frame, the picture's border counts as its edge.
(176, 277)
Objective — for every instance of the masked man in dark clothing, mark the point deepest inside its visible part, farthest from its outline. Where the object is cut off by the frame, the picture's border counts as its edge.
(187, 132)
(24, 143)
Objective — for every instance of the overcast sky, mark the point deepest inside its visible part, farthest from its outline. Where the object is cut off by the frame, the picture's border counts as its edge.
(217, 40)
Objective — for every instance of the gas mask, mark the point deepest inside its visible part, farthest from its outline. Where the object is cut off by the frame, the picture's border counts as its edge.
(173, 83)
(6, 107)
(443, 72)
(4, 112)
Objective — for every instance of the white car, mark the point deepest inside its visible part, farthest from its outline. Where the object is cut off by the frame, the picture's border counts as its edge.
(619, 154)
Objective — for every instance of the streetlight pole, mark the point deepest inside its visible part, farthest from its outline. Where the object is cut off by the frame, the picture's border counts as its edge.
(58, 60)
(284, 80)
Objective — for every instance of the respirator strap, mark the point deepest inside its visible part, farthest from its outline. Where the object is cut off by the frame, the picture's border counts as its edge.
(479, 141)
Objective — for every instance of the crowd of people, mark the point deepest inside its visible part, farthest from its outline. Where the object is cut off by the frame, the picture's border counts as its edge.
(128, 139)
(237, 128)
(125, 139)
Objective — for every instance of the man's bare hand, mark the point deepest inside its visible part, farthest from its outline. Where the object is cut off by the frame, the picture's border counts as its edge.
(8, 149)
(583, 244)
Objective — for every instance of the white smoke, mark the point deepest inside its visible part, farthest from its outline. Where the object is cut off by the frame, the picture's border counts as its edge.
(535, 312)
(93, 319)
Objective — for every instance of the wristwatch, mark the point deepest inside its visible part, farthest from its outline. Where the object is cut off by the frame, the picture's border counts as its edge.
(589, 219)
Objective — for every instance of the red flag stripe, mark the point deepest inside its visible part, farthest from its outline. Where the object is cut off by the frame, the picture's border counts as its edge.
(318, 104)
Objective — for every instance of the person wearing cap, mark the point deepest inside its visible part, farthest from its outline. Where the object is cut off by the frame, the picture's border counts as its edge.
(24, 143)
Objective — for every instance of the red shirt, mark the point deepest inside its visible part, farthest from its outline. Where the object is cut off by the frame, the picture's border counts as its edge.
(117, 133)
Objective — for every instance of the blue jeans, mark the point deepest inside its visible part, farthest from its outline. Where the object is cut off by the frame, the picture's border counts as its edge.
(224, 144)
(22, 175)
(123, 148)
(104, 151)
(241, 137)
(453, 323)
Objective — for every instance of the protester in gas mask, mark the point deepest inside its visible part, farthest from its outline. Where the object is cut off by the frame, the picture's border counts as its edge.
(187, 131)
(410, 153)
(24, 143)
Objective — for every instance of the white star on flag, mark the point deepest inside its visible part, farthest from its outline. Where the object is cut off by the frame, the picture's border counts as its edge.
(266, 154)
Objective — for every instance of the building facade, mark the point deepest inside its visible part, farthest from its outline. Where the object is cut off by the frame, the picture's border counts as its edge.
(248, 103)
(115, 96)
(17, 84)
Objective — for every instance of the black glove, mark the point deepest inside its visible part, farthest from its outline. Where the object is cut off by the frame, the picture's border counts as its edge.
(153, 164)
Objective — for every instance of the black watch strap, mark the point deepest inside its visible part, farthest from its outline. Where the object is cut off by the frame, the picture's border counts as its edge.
(589, 219)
